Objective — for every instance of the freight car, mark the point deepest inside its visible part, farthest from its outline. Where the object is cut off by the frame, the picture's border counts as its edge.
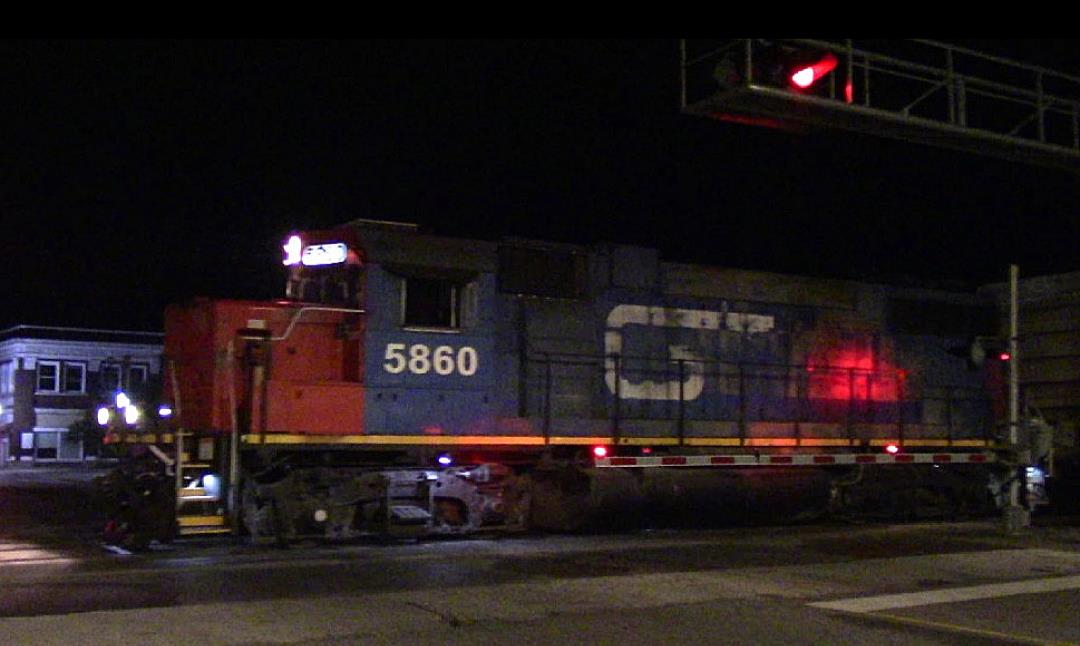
(416, 383)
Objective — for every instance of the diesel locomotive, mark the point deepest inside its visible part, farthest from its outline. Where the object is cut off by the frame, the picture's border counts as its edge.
(417, 383)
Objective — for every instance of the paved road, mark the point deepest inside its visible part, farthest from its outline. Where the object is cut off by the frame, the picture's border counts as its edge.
(930, 583)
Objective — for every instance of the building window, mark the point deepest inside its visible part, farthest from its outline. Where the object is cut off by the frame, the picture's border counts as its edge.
(48, 376)
(61, 377)
(110, 377)
(137, 377)
(6, 378)
(431, 302)
(111, 382)
(74, 377)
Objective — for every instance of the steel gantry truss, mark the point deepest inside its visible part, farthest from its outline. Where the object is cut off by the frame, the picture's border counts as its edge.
(919, 91)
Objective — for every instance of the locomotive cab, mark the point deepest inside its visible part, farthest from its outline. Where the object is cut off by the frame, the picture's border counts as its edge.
(325, 268)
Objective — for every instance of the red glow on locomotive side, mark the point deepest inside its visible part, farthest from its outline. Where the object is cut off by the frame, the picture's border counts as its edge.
(852, 374)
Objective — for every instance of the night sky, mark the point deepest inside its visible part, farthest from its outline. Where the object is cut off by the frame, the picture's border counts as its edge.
(139, 173)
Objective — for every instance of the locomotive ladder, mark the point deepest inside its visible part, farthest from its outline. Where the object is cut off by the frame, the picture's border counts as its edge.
(200, 506)
(199, 501)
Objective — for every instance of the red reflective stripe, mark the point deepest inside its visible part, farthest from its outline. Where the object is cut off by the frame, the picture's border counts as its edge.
(673, 460)
(721, 459)
(780, 459)
(943, 457)
(622, 462)
(824, 459)
(977, 457)
(863, 459)
(905, 458)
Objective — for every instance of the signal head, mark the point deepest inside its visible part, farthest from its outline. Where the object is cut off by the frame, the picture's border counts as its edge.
(804, 75)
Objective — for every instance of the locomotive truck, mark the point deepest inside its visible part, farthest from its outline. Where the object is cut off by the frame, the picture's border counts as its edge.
(411, 383)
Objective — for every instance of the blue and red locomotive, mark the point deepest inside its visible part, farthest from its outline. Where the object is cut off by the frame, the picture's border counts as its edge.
(415, 380)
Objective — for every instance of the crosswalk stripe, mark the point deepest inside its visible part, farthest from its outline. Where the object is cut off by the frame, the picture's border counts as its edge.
(950, 595)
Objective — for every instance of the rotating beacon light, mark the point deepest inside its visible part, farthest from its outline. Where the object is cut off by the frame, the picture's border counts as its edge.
(293, 251)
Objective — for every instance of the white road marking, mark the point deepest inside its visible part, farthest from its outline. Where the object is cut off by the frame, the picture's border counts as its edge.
(116, 549)
(28, 554)
(950, 595)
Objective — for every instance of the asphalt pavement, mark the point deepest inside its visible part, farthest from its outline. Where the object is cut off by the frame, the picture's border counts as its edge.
(914, 583)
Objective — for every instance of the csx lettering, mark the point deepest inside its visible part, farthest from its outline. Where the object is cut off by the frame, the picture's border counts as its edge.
(420, 359)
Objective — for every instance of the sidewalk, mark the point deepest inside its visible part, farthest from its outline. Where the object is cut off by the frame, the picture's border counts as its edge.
(26, 474)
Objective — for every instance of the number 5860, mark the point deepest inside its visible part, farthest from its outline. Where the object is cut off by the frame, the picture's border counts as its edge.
(419, 359)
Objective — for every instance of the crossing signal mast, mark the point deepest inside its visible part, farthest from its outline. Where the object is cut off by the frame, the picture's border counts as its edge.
(919, 91)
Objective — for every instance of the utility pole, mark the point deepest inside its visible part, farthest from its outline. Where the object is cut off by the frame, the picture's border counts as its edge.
(1016, 515)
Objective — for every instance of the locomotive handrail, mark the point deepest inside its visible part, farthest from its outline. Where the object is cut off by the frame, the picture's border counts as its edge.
(753, 392)
(578, 359)
(313, 308)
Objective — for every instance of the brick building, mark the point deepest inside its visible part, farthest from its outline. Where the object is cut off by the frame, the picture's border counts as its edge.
(51, 377)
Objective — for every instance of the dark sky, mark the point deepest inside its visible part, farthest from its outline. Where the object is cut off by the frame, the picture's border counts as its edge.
(137, 173)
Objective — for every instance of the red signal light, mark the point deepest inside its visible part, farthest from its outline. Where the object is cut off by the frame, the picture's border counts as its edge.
(807, 75)
(1004, 356)
(599, 451)
(892, 449)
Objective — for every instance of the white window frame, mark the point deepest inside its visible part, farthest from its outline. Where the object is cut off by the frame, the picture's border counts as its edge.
(456, 313)
(64, 377)
(138, 367)
(7, 377)
(56, 377)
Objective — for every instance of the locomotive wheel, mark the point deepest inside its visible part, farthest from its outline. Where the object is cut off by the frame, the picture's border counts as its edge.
(280, 524)
(451, 512)
(518, 501)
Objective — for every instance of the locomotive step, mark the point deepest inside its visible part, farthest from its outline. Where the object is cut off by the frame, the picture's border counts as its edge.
(207, 524)
(196, 493)
(199, 531)
(201, 520)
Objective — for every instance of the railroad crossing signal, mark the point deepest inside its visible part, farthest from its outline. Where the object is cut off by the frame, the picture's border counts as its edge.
(918, 91)
(805, 74)
(799, 69)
